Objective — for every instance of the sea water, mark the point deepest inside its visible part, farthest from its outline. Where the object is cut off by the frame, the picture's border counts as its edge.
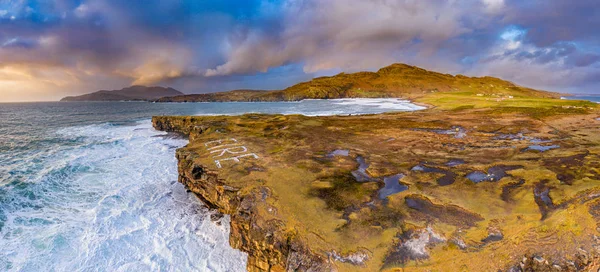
(93, 187)
(589, 97)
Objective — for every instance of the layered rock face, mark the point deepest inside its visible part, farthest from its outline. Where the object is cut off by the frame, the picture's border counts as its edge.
(467, 189)
(269, 244)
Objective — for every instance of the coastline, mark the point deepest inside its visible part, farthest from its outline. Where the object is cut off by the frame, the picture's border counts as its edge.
(277, 236)
(270, 248)
(93, 190)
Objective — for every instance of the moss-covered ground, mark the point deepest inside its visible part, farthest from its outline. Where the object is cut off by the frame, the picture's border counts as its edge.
(531, 202)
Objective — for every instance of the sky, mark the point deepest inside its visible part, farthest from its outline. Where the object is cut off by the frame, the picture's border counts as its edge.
(51, 49)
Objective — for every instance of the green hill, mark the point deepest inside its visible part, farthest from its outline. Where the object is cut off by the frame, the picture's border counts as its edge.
(396, 80)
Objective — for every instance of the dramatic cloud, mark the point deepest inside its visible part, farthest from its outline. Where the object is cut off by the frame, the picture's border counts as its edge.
(49, 49)
(347, 34)
(493, 6)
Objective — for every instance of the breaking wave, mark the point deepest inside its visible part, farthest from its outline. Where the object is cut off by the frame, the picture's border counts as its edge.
(109, 201)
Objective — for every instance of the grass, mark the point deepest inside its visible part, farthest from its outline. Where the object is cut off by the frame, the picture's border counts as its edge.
(503, 104)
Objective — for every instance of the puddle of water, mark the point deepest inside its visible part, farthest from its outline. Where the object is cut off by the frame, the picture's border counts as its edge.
(339, 152)
(514, 137)
(541, 148)
(522, 137)
(455, 162)
(539, 141)
(392, 183)
(418, 168)
(392, 186)
(361, 173)
(478, 176)
(427, 169)
(448, 178)
(543, 193)
(494, 173)
(458, 132)
(493, 237)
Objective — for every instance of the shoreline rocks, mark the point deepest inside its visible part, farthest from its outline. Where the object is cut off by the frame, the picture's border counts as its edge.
(296, 207)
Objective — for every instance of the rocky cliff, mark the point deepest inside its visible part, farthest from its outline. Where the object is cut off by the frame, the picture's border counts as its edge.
(488, 187)
(270, 245)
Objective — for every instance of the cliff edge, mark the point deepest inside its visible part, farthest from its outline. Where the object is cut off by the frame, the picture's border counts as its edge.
(484, 185)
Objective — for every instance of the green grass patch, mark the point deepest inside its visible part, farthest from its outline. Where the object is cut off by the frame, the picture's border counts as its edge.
(535, 107)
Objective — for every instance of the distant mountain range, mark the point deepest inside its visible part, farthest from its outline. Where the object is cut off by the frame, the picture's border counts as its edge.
(397, 80)
(133, 93)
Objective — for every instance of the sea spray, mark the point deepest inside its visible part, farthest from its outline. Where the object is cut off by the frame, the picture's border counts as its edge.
(112, 202)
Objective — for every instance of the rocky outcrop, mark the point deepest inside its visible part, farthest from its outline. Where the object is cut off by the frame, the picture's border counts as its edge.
(270, 245)
(185, 125)
(304, 193)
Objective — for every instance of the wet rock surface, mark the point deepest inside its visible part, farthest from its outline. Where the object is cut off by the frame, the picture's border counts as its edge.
(360, 174)
(448, 177)
(541, 148)
(541, 192)
(494, 173)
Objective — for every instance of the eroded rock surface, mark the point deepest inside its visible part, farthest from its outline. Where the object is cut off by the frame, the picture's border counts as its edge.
(311, 194)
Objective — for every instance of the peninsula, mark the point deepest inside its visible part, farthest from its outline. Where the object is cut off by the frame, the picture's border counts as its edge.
(491, 177)
(133, 93)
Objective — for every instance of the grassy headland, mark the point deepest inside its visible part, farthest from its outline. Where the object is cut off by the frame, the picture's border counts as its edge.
(397, 80)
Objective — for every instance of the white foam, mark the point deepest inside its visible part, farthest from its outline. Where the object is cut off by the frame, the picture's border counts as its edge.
(382, 103)
(113, 204)
(313, 107)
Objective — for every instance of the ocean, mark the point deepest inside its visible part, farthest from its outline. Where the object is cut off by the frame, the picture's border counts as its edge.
(590, 97)
(91, 186)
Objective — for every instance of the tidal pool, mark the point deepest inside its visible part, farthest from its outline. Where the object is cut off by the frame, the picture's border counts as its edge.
(392, 186)
(339, 152)
(361, 173)
(541, 148)
(448, 178)
(494, 173)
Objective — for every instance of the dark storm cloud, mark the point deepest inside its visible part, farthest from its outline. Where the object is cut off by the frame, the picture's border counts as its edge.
(554, 21)
(350, 35)
(566, 51)
(210, 45)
